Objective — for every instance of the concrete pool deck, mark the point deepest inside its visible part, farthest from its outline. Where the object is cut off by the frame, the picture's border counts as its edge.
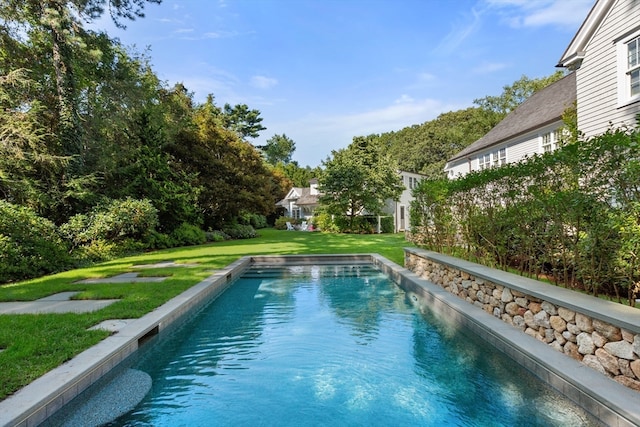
(605, 399)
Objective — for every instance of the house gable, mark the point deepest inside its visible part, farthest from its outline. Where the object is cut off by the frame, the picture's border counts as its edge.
(519, 133)
(573, 56)
(605, 75)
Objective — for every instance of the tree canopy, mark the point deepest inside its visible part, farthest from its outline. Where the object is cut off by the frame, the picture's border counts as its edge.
(279, 148)
(359, 179)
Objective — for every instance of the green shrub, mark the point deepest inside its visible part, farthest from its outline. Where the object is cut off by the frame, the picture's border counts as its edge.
(281, 222)
(324, 222)
(111, 229)
(157, 240)
(386, 224)
(114, 221)
(217, 236)
(240, 231)
(30, 246)
(188, 235)
(255, 220)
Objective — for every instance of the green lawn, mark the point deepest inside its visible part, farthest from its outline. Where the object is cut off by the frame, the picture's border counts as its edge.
(31, 345)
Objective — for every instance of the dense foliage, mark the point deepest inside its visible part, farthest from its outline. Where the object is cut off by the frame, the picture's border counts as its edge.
(572, 215)
(29, 245)
(86, 128)
(357, 181)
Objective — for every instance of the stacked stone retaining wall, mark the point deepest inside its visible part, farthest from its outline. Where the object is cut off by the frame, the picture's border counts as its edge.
(579, 332)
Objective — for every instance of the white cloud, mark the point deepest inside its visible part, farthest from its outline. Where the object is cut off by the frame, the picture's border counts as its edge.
(426, 77)
(317, 135)
(489, 67)
(461, 31)
(262, 82)
(537, 13)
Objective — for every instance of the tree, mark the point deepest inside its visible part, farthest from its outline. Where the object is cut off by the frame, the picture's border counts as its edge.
(359, 179)
(298, 176)
(425, 148)
(145, 170)
(229, 171)
(242, 120)
(58, 24)
(516, 94)
(279, 148)
(26, 163)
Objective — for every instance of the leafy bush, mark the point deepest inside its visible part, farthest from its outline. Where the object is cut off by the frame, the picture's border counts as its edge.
(357, 224)
(324, 222)
(30, 246)
(386, 224)
(188, 235)
(117, 221)
(113, 221)
(281, 222)
(571, 215)
(217, 236)
(255, 220)
(240, 231)
(157, 240)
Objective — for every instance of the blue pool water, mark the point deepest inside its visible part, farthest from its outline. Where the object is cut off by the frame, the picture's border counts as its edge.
(332, 345)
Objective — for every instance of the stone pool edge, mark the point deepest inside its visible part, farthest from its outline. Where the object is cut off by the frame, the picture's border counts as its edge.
(608, 401)
(36, 402)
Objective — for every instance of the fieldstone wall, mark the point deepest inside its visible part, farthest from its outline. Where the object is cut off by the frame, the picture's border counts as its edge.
(607, 348)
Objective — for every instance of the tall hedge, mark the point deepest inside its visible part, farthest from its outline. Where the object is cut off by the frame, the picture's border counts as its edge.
(572, 215)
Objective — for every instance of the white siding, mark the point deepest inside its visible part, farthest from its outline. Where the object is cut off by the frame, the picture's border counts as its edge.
(394, 208)
(597, 82)
(458, 168)
(517, 149)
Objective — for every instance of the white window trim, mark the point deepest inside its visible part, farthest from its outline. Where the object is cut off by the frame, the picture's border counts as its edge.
(554, 140)
(484, 161)
(623, 81)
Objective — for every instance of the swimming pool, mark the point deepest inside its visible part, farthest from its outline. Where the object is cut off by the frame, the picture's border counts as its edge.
(332, 344)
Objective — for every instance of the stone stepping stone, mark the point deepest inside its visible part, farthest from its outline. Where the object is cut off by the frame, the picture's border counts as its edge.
(123, 278)
(56, 303)
(165, 264)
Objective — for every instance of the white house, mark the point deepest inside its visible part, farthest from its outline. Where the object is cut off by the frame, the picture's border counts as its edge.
(605, 54)
(535, 126)
(400, 209)
(604, 61)
(301, 202)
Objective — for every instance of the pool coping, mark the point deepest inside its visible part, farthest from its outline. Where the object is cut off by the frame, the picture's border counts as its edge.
(605, 399)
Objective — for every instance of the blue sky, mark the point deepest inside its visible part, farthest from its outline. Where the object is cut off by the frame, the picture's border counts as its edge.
(322, 72)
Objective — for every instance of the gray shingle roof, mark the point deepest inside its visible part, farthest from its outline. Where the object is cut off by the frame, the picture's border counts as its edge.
(543, 107)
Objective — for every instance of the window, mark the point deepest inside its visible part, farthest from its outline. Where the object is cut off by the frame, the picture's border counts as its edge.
(551, 140)
(629, 69)
(484, 161)
(502, 156)
(633, 66)
(499, 157)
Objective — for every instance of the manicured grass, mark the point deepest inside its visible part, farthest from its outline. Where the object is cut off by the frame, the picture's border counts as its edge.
(31, 345)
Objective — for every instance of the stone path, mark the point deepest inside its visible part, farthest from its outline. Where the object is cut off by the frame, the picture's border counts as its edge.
(124, 278)
(62, 302)
(57, 303)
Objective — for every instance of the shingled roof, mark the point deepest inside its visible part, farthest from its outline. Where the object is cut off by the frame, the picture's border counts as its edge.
(542, 108)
